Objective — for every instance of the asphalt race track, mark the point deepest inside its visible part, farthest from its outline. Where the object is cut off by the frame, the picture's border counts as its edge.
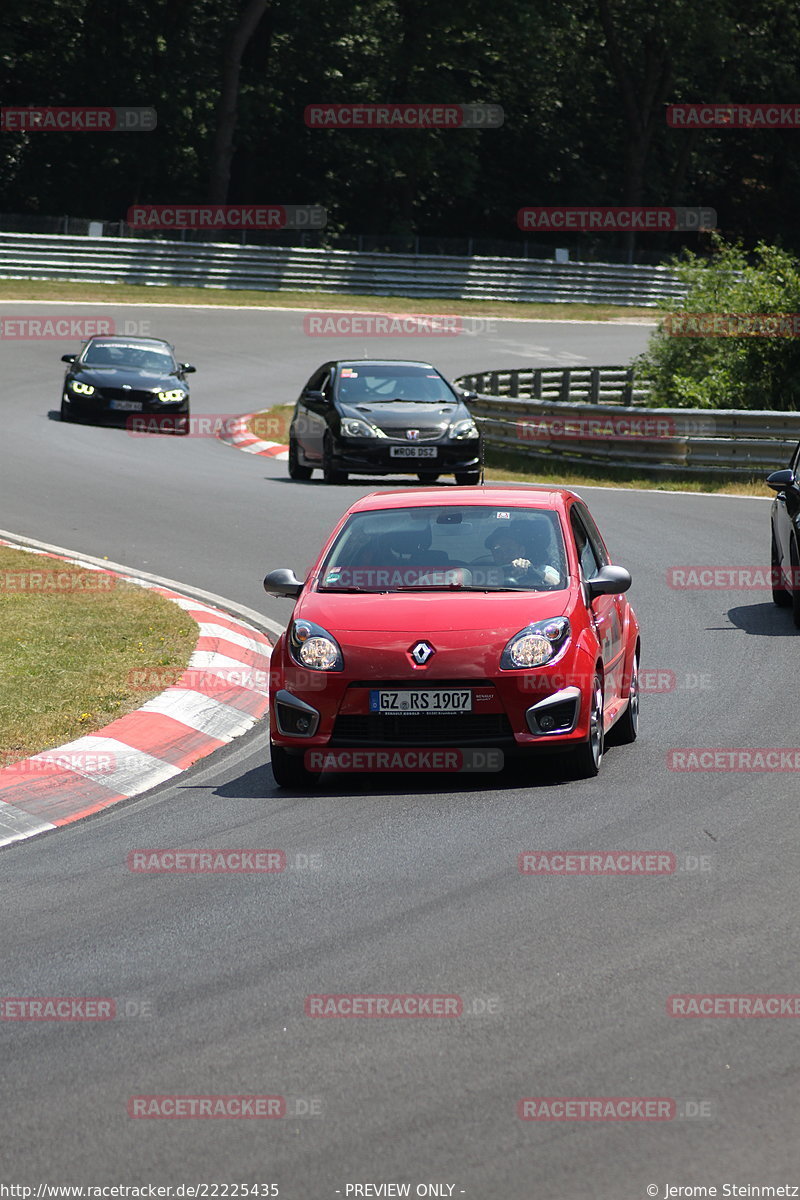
(415, 886)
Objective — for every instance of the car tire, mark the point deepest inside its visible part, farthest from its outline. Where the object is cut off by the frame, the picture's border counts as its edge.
(584, 761)
(289, 770)
(780, 596)
(66, 415)
(626, 729)
(296, 471)
(331, 474)
(794, 592)
(467, 477)
(427, 476)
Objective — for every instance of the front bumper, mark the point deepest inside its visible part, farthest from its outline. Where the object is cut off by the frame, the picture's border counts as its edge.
(98, 407)
(372, 456)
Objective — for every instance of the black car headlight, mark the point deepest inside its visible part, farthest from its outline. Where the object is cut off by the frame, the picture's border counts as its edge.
(82, 389)
(462, 430)
(355, 427)
(539, 643)
(171, 397)
(313, 647)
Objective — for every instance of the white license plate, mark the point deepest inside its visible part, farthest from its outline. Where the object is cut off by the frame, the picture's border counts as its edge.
(413, 451)
(125, 405)
(421, 701)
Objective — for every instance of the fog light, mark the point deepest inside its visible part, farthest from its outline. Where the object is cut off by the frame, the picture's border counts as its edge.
(302, 724)
(547, 723)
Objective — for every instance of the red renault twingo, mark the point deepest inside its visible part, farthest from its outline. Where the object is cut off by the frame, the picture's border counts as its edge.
(461, 618)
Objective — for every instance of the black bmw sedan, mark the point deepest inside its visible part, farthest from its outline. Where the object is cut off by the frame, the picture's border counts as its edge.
(785, 522)
(118, 376)
(383, 417)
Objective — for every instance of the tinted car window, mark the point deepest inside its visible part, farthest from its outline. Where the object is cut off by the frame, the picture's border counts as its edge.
(586, 554)
(108, 354)
(593, 533)
(476, 546)
(373, 381)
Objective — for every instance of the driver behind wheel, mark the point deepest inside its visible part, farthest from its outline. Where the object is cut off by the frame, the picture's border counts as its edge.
(522, 548)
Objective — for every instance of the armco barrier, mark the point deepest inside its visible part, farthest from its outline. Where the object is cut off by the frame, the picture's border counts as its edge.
(276, 268)
(674, 440)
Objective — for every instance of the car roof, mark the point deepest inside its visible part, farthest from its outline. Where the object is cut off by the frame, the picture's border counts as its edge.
(528, 496)
(382, 362)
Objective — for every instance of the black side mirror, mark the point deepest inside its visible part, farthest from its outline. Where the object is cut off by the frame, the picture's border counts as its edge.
(467, 396)
(188, 369)
(608, 582)
(283, 583)
(779, 481)
(316, 397)
(70, 358)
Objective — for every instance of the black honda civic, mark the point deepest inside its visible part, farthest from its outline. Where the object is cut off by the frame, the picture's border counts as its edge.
(383, 417)
(120, 376)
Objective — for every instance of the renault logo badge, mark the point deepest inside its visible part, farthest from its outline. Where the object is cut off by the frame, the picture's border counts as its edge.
(421, 652)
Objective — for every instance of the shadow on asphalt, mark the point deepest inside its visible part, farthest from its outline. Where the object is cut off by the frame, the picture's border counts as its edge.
(764, 620)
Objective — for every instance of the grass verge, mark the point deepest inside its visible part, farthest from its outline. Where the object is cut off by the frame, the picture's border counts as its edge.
(126, 293)
(272, 425)
(68, 647)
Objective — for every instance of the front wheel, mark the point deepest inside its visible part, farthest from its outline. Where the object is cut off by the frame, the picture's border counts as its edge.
(66, 415)
(331, 474)
(780, 596)
(427, 476)
(584, 761)
(794, 584)
(296, 471)
(626, 729)
(289, 770)
(468, 477)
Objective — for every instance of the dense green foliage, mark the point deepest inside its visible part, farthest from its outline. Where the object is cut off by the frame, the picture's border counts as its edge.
(748, 371)
(583, 84)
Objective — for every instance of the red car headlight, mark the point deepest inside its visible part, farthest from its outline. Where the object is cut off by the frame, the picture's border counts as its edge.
(539, 643)
(313, 647)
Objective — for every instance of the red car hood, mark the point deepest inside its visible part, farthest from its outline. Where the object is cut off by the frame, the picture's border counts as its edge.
(432, 612)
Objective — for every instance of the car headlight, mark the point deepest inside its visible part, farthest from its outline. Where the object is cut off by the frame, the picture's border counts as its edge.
(312, 646)
(539, 643)
(461, 430)
(175, 394)
(354, 427)
(83, 389)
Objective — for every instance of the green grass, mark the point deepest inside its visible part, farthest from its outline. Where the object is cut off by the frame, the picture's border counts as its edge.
(66, 655)
(272, 425)
(125, 293)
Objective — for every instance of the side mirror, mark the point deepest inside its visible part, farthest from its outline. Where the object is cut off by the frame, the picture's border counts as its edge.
(188, 369)
(467, 396)
(283, 583)
(779, 481)
(70, 358)
(316, 397)
(608, 582)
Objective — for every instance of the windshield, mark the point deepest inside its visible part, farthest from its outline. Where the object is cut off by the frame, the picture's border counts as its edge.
(370, 382)
(119, 354)
(446, 548)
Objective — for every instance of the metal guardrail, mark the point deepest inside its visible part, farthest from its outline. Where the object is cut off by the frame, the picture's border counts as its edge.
(293, 268)
(614, 434)
(594, 385)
